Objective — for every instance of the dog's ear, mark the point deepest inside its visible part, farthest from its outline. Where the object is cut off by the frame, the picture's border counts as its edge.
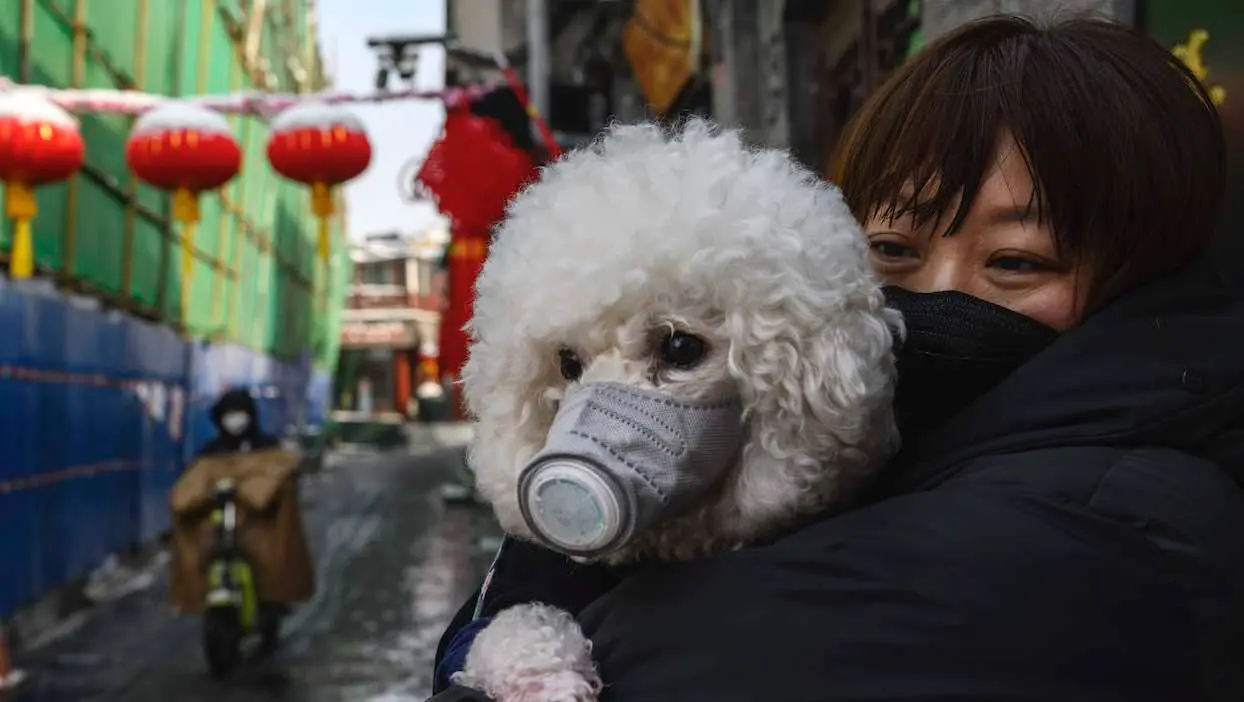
(819, 387)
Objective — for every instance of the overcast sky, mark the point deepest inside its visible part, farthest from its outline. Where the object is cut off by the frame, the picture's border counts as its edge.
(399, 131)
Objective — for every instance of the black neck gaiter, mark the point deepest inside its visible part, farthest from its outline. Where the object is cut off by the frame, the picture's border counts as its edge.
(957, 348)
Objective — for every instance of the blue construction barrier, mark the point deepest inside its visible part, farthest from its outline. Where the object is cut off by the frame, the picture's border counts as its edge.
(99, 414)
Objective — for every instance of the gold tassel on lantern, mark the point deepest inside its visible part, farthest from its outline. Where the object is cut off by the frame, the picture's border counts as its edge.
(21, 207)
(186, 212)
(322, 207)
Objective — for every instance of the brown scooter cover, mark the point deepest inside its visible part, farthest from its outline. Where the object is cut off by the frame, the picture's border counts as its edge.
(270, 530)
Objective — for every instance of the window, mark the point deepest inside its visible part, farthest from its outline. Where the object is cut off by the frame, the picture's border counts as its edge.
(397, 272)
(425, 271)
(383, 273)
(371, 274)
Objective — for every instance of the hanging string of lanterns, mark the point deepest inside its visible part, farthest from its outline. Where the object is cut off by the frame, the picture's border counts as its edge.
(186, 148)
(182, 147)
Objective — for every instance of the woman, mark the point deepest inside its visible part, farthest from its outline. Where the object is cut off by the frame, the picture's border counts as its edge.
(1065, 520)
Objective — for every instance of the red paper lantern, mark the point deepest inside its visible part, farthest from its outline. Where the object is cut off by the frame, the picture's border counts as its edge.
(187, 149)
(322, 146)
(181, 146)
(39, 144)
(318, 143)
(473, 170)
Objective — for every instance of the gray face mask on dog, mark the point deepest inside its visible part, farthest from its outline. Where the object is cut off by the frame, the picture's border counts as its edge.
(618, 460)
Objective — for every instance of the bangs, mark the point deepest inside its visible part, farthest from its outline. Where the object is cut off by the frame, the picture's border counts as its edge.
(923, 145)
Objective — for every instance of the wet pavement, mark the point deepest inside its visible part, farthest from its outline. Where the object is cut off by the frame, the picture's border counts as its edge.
(393, 564)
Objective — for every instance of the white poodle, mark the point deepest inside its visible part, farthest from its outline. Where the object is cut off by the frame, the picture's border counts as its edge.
(683, 265)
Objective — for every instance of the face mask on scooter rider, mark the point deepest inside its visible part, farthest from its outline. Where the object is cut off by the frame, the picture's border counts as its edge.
(235, 423)
(619, 459)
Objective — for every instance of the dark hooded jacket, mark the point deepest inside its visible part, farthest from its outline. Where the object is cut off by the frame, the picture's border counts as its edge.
(1075, 534)
(253, 439)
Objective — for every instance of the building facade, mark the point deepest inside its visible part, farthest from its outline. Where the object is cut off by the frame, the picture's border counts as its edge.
(586, 82)
(390, 323)
(791, 73)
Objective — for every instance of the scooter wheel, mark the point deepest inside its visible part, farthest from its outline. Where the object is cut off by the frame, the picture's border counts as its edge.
(222, 641)
(270, 617)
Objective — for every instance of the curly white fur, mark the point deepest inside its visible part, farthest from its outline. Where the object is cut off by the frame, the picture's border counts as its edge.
(649, 230)
(532, 653)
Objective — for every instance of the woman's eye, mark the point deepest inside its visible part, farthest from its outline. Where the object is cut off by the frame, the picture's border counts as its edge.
(682, 350)
(1015, 264)
(892, 249)
(569, 364)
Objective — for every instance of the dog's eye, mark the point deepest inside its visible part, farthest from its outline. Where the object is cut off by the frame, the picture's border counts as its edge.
(682, 350)
(569, 364)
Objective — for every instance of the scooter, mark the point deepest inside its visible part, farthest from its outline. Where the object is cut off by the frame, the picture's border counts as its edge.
(234, 614)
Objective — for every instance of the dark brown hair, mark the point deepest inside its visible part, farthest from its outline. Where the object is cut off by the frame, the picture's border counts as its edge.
(1123, 143)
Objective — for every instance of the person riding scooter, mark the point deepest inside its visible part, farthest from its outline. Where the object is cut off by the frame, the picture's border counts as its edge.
(236, 417)
(240, 556)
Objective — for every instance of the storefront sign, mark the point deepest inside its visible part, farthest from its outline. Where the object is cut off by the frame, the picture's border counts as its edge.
(384, 334)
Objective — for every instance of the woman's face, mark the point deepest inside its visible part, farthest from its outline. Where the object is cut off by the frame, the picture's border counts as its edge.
(1000, 254)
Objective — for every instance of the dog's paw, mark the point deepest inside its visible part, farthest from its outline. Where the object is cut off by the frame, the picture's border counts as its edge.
(532, 653)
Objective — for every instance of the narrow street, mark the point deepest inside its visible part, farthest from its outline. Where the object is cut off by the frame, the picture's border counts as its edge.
(393, 563)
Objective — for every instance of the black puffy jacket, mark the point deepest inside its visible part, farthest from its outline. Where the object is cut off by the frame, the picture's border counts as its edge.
(1076, 534)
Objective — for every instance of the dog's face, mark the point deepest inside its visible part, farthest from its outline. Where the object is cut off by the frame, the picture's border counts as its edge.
(692, 265)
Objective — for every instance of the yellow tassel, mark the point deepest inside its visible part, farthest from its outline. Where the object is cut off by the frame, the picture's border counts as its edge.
(323, 207)
(20, 206)
(186, 212)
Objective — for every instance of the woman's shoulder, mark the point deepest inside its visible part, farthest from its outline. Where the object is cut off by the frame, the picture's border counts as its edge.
(1026, 511)
(1150, 488)
(990, 570)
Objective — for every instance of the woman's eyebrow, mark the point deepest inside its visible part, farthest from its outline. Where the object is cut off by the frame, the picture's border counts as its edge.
(1010, 214)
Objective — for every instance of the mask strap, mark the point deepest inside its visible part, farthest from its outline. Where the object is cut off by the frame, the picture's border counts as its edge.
(492, 569)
